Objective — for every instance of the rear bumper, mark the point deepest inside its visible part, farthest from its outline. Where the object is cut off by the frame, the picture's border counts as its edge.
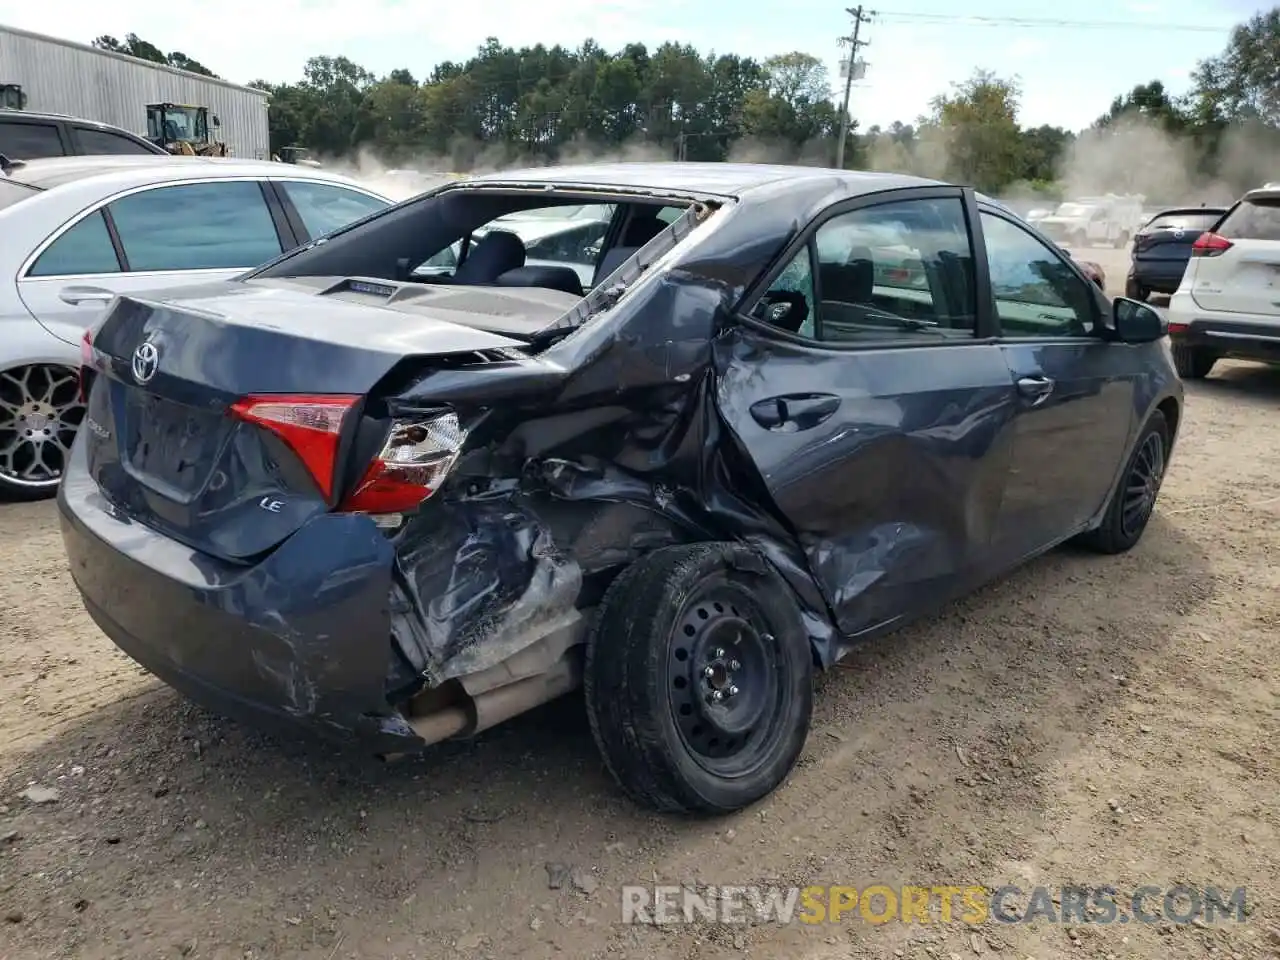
(1162, 276)
(1224, 336)
(299, 641)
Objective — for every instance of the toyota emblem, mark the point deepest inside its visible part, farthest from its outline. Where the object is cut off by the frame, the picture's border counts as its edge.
(146, 361)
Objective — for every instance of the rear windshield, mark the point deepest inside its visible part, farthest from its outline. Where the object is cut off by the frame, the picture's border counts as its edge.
(11, 192)
(1257, 219)
(1184, 221)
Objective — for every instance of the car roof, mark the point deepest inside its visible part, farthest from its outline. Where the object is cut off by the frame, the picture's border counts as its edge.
(119, 172)
(716, 179)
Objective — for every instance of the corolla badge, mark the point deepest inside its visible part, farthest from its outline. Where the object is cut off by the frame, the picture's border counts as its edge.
(146, 361)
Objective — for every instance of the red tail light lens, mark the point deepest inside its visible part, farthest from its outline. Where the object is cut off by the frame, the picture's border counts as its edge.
(310, 425)
(1210, 245)
(86, 364)
(415, 460)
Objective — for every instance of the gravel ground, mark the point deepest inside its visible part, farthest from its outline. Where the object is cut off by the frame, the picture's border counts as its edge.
(1089, 720)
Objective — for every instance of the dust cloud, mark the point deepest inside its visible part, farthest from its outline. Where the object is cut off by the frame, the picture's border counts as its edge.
(1133, 156)
(411, 174)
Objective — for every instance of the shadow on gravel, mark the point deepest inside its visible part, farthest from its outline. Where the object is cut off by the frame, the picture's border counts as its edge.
(166, 811)
(1242, 381)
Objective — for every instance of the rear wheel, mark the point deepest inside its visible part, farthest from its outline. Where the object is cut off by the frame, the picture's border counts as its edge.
(1135, 498)
(40, 410)
(1136, 291)
(699, 679)
(1192, 363)
(1122, 240)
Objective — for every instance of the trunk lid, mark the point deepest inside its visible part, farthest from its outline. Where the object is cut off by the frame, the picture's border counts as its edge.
(1244, 278)
(161, 437)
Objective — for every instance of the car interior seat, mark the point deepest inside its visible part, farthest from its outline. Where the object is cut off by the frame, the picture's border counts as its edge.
(497, 253)
(851, 282)
(642, 228)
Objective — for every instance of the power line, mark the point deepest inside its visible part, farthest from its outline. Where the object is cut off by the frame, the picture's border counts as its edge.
(1040, 22)
(859, 18)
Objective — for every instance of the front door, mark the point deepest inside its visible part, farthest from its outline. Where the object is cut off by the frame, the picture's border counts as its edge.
(1074, 390)
(879, 423)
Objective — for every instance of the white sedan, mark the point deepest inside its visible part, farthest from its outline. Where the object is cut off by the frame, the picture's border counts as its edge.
(79, 230)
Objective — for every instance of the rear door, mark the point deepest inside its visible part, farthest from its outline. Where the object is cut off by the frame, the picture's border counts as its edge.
(1243, 277)
(877, 415)
(31, 139)
(1074, 389)
(150, 239)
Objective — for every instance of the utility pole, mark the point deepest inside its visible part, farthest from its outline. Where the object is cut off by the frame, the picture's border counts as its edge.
(859, 18)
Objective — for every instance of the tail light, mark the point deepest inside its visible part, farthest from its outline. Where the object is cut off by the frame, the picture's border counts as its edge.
(86, 364)
(310, 425)
(415, 460)
(1175, 327)
(1210, 245)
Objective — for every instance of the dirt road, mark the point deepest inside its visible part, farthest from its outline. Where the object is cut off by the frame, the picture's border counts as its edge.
(1090, 720)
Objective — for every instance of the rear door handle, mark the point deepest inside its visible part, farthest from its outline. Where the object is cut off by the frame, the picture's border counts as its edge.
(799, 411)
(76, 295)
(1037, 388)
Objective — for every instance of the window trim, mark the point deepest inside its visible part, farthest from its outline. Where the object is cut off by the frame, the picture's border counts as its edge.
(984, 328)
(24, 272)
(290, 210)
(1100, 332)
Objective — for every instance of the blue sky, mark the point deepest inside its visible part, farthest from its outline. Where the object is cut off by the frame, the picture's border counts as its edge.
(1069, 74)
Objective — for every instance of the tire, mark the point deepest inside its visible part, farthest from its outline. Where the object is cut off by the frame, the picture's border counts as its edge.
(1136, 291)
(1122, 240)
(670, 617)
(40, 411)
(1192, 363)
(1130, 509)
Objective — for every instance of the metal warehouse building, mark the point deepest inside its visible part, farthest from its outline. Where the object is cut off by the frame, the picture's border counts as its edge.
(59, 76)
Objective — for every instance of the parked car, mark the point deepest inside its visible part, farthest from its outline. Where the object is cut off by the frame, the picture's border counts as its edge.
(80, 230)
(25, 135)
(1227, 304)
(399, 511)
(1162, 248)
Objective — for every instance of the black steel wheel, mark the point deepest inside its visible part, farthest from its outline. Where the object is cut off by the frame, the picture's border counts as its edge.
(1142, 486)
(40, 411)
(1135, 497)
(699, 679)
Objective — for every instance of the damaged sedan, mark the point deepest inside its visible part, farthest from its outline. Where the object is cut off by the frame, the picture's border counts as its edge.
(763, 414)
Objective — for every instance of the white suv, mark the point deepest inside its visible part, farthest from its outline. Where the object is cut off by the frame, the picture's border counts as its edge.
(1228, 304)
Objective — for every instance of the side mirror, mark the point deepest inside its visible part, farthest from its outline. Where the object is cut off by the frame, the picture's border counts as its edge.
(785, 309)
(216, 121)
(1136, 322)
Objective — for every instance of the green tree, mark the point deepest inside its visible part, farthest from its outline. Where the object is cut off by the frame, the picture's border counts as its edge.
(1243, 82)
(134, 46)
(976, 124)
(1151, 102)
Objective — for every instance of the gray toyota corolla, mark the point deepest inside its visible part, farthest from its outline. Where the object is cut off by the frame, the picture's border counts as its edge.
(419, 476)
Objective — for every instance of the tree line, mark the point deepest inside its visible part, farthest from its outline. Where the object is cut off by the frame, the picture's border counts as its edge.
(540, 103)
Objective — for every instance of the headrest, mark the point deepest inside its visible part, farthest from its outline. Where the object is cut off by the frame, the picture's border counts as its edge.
(642, 229)
(497, 252)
